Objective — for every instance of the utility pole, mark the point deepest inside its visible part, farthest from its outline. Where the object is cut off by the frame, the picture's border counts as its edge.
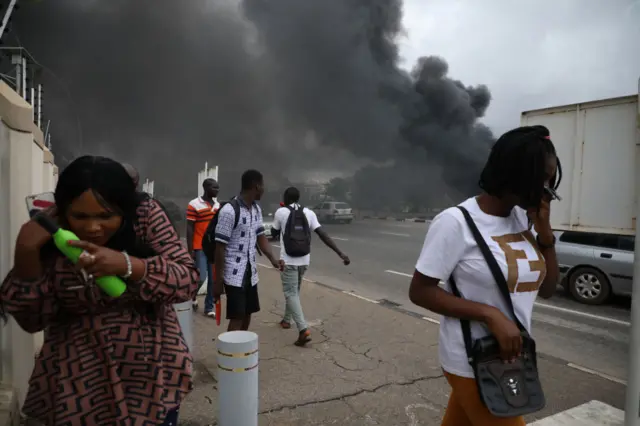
(632, 403)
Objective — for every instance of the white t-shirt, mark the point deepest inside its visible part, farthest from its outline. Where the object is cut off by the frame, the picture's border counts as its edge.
(449, 247)
(280, 222)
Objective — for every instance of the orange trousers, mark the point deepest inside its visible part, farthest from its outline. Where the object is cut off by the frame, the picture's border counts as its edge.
(465, 408)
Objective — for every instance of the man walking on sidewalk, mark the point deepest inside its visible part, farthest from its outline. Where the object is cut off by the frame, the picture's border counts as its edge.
(200, 211)
(295, 224)
(238, 229)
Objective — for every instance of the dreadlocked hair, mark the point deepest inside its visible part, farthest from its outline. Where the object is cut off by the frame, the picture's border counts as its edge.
(517, 163)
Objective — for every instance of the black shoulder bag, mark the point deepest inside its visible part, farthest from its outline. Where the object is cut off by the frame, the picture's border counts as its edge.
(507, 390)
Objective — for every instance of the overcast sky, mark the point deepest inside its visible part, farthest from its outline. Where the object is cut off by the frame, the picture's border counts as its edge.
(531, 53)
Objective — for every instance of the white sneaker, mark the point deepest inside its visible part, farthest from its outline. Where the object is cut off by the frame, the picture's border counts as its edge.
(211, 314)
(195, 305)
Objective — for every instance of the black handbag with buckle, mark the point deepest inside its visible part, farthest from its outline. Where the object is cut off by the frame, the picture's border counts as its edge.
(506, 389)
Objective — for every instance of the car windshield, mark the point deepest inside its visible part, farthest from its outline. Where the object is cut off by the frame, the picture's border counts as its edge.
(342, 206)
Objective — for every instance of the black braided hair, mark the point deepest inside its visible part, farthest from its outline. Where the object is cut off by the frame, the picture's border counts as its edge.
(516, 165)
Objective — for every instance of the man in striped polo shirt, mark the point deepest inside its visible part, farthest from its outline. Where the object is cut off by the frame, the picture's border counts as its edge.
(199, 213)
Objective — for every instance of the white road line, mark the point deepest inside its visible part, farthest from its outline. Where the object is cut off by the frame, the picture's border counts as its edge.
(339, 238)
(402, 274)
(584, 314)
(394, 234)
(276, 245)
(552, 307)
(360, 297)
(435, 321)
(597, 373)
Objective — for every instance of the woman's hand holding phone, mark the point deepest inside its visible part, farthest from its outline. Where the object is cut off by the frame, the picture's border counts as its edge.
(32, 236)
(541, 221)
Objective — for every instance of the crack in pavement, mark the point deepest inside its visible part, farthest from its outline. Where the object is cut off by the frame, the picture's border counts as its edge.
(350, 394)
(332, 358)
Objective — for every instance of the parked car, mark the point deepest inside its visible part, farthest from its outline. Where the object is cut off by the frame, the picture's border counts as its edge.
(595, 266)
(334, 211)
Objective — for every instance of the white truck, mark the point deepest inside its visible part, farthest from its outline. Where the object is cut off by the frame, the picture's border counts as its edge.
(597, 143)
(598, 148)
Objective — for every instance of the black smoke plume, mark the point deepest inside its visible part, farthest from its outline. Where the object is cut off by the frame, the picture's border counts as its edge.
(285, 86)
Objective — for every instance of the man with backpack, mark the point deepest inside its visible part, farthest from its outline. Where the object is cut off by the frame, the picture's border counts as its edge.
(238, 233)
(295, 224)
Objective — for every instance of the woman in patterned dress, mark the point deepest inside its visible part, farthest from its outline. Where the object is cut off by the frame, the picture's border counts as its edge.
(105, 361)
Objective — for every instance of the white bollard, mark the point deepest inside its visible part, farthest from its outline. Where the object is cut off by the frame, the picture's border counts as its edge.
(238, 378)
(185, 318)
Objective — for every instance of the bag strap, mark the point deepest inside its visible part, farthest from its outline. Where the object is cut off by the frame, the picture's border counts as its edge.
(236, 210)
(496, 271)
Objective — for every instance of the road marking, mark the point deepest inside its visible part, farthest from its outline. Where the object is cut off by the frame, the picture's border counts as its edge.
(435, 321)
(597, 373)
(584, 314)
(547, 306)
(402, 274)
(394, 234)
(360, 297)
(276, 245)
(339, 238)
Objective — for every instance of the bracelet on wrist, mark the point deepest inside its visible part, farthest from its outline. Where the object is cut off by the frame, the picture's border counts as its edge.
(127, 259)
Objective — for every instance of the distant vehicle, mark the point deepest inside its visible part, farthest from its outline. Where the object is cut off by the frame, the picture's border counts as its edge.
(595, 266)
(269, 232)
(334, 211)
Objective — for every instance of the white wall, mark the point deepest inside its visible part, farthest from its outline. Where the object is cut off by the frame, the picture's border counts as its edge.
(26, 167)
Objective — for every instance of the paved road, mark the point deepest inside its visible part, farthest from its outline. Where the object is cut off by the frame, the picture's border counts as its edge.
(383, 255)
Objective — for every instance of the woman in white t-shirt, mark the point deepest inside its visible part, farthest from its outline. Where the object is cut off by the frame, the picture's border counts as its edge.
(518, 183)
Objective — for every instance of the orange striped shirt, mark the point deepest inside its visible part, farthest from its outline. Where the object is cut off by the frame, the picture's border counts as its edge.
(200, 212)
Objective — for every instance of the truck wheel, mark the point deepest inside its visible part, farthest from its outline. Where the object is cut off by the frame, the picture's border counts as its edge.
(589, 286)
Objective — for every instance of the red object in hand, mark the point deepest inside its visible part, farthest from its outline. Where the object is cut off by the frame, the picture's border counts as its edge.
(218, 312)
(281, 204)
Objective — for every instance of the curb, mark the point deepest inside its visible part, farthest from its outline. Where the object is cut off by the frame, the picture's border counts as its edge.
(382, 302)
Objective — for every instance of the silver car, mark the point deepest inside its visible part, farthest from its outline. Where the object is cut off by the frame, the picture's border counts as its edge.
(595, 266)
(334, 211)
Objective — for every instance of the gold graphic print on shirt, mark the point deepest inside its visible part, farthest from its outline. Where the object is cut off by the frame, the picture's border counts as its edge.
(513, 255)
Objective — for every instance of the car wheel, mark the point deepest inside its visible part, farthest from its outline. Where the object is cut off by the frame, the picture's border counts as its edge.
(589, 286)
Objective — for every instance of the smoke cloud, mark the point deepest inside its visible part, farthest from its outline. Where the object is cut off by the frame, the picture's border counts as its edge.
(284, 86)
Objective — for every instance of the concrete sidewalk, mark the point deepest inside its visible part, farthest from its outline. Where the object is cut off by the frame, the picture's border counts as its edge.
(367, 365)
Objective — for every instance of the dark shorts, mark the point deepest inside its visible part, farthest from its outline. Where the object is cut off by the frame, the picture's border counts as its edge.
(242, 301)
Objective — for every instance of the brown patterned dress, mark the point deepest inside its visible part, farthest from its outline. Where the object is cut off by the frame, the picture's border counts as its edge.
(109, 361)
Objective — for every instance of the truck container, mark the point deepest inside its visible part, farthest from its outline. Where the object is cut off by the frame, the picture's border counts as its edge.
(597, 144)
